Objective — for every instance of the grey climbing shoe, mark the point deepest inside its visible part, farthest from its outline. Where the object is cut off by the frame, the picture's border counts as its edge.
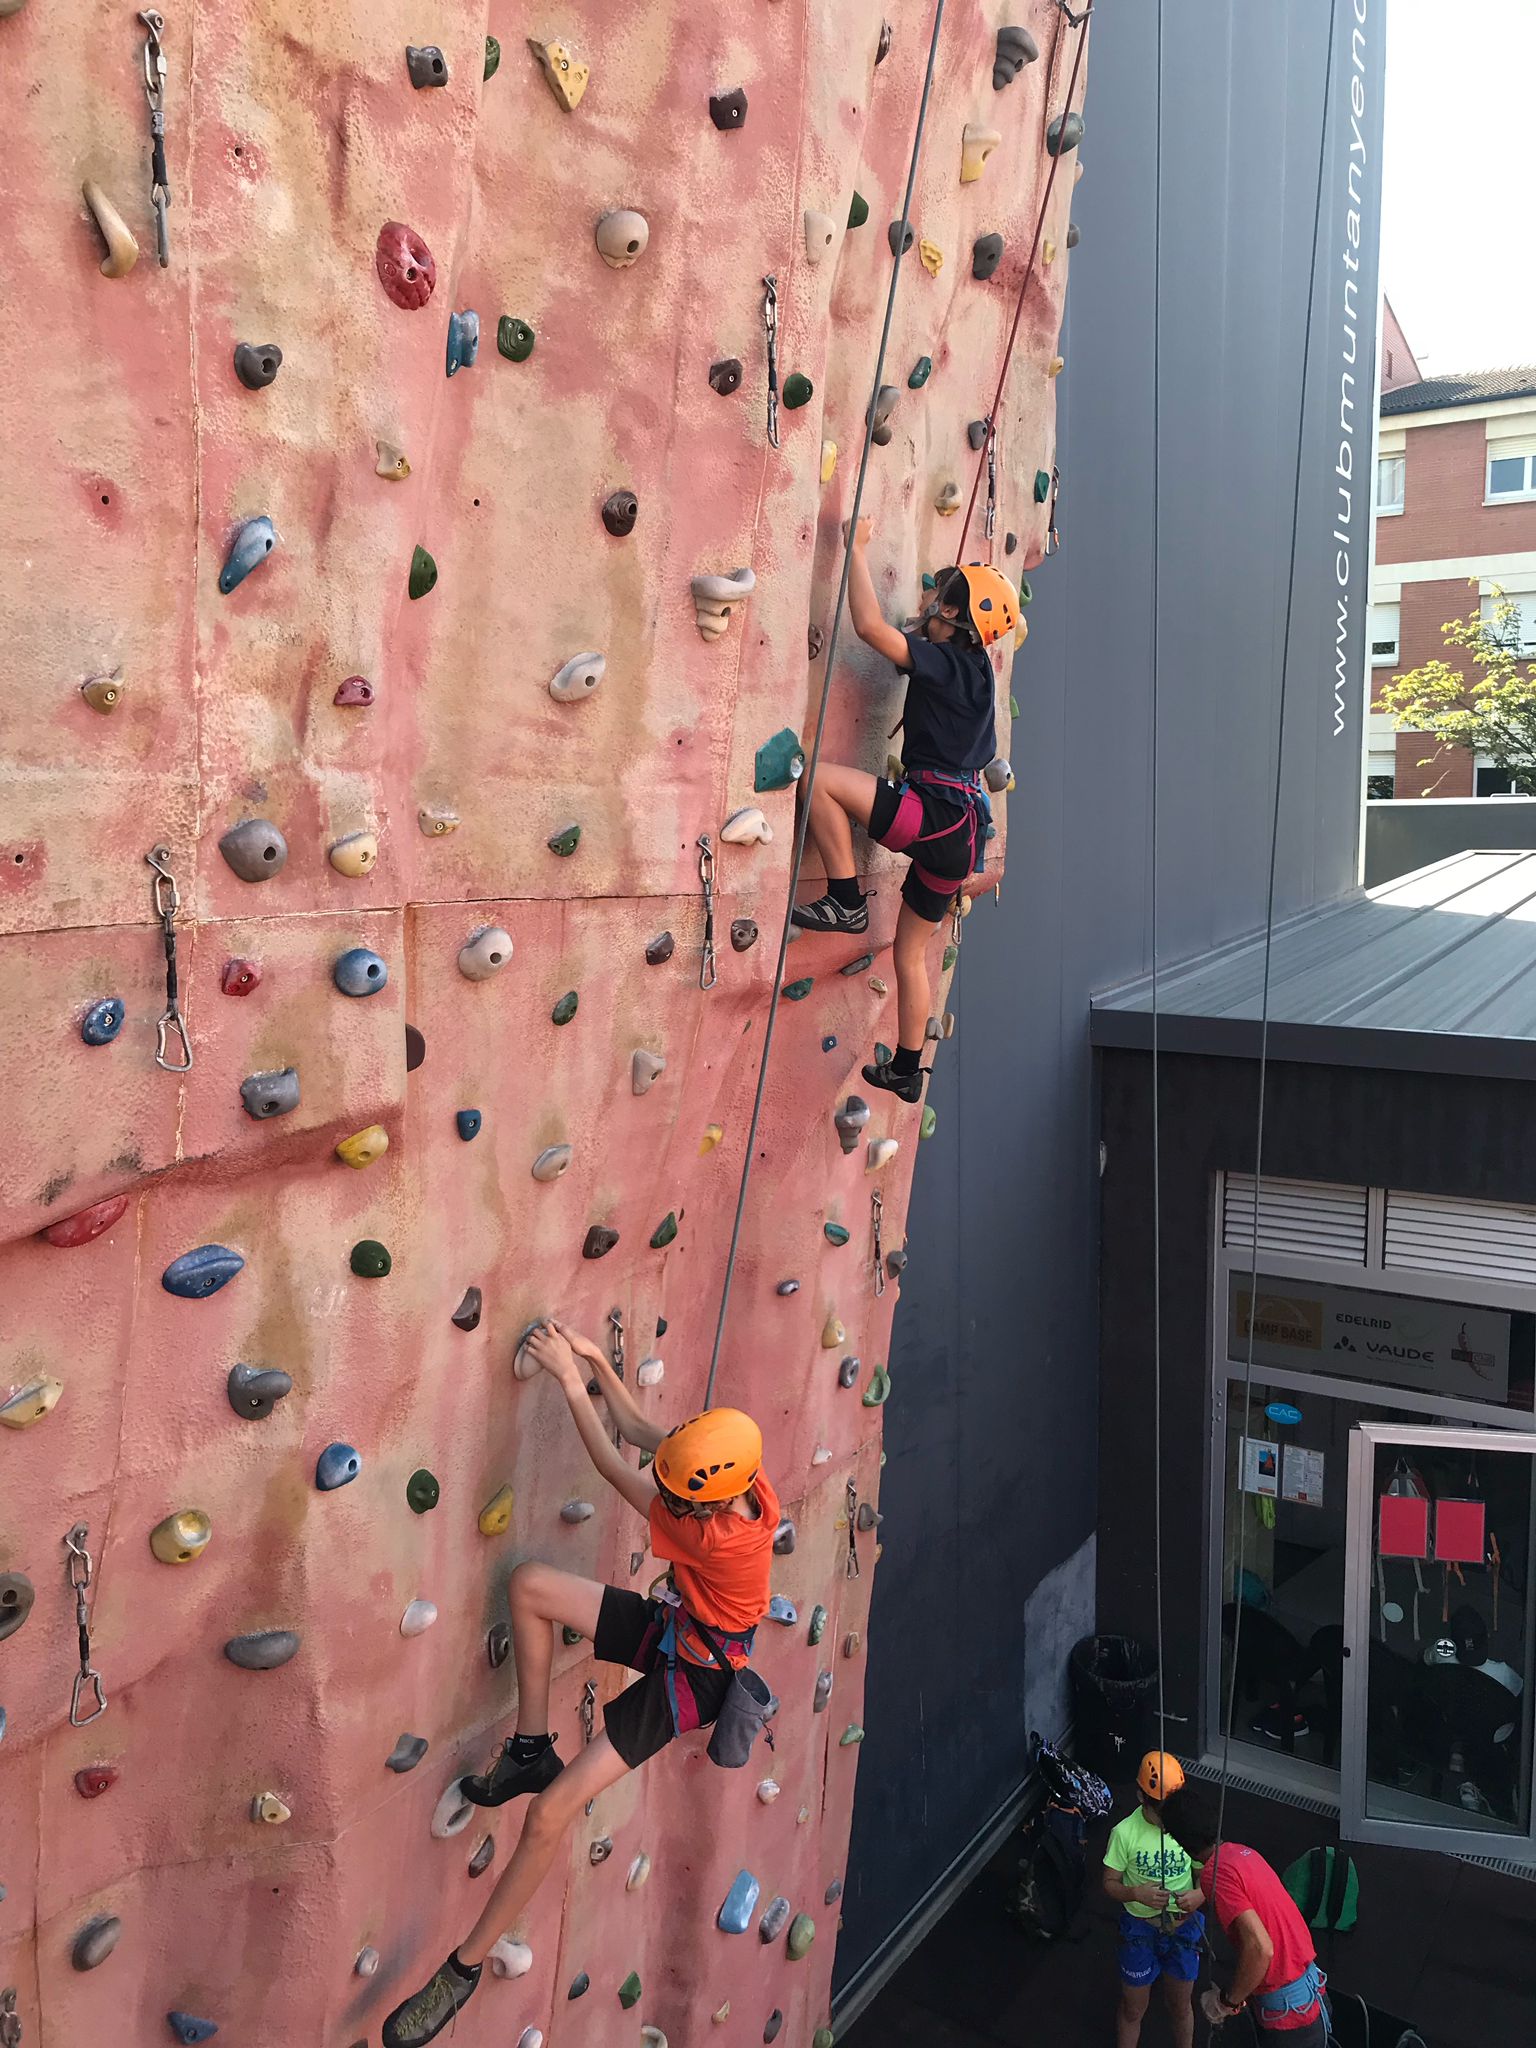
(508, 1779)
(424, 2015)
(826, 914)
(907, 1087)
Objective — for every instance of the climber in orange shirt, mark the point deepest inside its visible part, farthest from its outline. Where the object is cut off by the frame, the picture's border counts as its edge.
(712, 1517)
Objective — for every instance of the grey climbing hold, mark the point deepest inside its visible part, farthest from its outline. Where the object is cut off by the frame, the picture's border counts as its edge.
(660, 949)
(620, 511)
(264, 1650)
(600, 1850)
(427, 65)
(714, 599)
(337, 1465)
(976, 433)
(199, 1273)
(622, 237)
(552, 1162)
(986, 254)
(463, 341)
(467, 1315)
(783, 1611)
(418, 1617)
(1073, 234)
(850, 1121)
(728, 109)
(565, 841)
(599, 1241)
(787, 1287)
(645, 1070)
(833, 1892)
(920, 372)
(784, 1537)
(896, 1263)
(725, 376)
(900, 236)
(509, 1958)
(1016, 47)
(1064, 133)
(406, 1754)
(639, 1871)
(867, 1517)
(802, 1932)
(577, 1511)
(743, 934)
(359, 972)
(514, 338)
(480, 1862)
(254, 849)
(818, 1627)
(16, 1596)
(498, 1645)
(257, 363)
(771, 1926)
(103, 1021)
(485, 952)
(998, 774)
(252, 544)
(851, 1736)
(823, 1691)
(580, 1986)
(367, 1962)
(95, 1941)
(735, 1914)
(452, 1813)
(254, 1391)
(879, 415)
(566, 1008)
(271, 1094)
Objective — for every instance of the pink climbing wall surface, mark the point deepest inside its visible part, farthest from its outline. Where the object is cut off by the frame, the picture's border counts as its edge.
(294, 134)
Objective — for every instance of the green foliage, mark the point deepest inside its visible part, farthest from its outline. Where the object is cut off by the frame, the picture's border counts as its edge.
(1489, 711)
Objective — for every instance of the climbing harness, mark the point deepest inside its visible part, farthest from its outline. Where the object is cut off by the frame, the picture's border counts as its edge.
(851, 1509)
(79, 1569)
(771, 333)
(10, 2019)
(154, 92)
(167, 902)
(707, 884)
(877, 1219)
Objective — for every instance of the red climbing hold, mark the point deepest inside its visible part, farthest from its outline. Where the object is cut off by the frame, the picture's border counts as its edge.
(86, 1223)
(239, 977)
(406, 269)
(94, 1780)
(355, 691)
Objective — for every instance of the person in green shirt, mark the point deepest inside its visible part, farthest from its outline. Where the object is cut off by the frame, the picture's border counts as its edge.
(1152, 1880)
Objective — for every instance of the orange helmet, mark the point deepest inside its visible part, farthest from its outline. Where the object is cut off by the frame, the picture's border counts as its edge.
(994, 603)
(713, 1456)
(1160, 1774)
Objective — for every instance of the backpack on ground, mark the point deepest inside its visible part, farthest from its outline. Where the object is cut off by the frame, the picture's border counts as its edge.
(1326, 1888)
(1053, 1875)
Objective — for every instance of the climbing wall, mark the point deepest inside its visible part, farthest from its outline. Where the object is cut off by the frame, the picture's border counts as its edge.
(387, 641)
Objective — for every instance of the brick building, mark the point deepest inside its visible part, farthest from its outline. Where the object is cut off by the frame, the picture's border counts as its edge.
(1455, 504)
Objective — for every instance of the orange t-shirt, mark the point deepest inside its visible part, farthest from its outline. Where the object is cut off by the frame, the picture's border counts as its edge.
(720, 1567)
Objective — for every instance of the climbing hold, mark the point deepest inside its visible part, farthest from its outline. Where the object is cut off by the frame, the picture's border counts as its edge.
(492, 59)
(567, 78)
(783, 1611)
(370, 1259)
(467, 1122)
(828, 467)
(921, 371)
(797, 991)
(1016, 47)
(620, 511)
(390, 462)
(1055, 366)
(879, 1387)
(976, 145)
(354, 694)
(252, 544)
(822, 1692)
(851, 1736)
(273, 1094)
(713, 1133)
(774, 2023)
(467, 1315)
(570, 1637)
(182, 1537)
(255, 1391)
(998, 774)
(16, 1597)
(103, 1020)
(639, 1871)
(264, 1650)
(660, 949)
(367, 1962)
(629, 1990)
(780, 761)
(360, 972)
(355, 853)
(771, 1926)
(847, 1372)
(427, 65)
(896, 1264)
(94, 1780)
(415, 1048)
(406, 1754)
(418, 1618)
(931, 256)
(665, 1231)
(1042, 485)
(485, 952)
(725, 376)
(266, 1806)
(850, 1121)
(784, 1537)
(94, 1943)
(728, 109)
(577, 1511)
(900, 237)
(509, 1958)
(714, 598)
(566, 1008)
(257, 363)
(930, 1122)
(879, 415)
(951, 955)
(463, 341)
(552, 1162)
(122, 249)
(947, 500)
(498, 1645)
(858, 210)
(421, 1491)
(514, 338)
(495, 1517)
(363, 1147)
(1064, 133)
(802, 1932)
(580, 1986)
(621, 237)
(832, 1333)
(833, 1892)
(599, 1240)
(565, 841)
(480, 1862)
(986, 254)
(30, 1402)
(423, 576)
(834, 1233)
(405, 266)
(976, 433)
(787, 1287)
(768, 1790)
(820, 233)
(880, 1152)
(452, 1813)
(851, 1643)
(798, 391)
(1073, 235)
(533, 2037)
(201, 1272)
(254, 849)
(735, 1915)
(103, 693)
(746, 827)
(818, 1627)
(524, 1366)
(822, 2038)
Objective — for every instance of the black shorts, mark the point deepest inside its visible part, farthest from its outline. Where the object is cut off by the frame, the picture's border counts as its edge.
(937, 829)
(639, 1721)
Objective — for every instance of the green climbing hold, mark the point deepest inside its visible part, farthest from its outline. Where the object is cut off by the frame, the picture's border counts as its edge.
(421, 1491)
(922, 370)
(629, 1990)
(570, 1637)
(883, 1054)
(818, 1627)
(565, 1009)
(492, 57)
(951, 955)
(1026, 595)
(370, 1259)
(930, 1121)
(665, 1231)
(779, 761)
(802, 1929)
(1013, 707)
(514, 338)
(1042, 485)
(834, 1233)
(876, 1393)
(565, 841)
(930, 581)
(823, 2038)
(851, 1736)
(423, 572)
(858, 212)
(797, 991)
(798, 391)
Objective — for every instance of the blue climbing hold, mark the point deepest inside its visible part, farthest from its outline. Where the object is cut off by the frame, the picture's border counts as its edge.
(247, 551)
(782, 1610)
(468, 1122)
(360, 972)
(829, 1043)
(735, 1915)
(202, 1271)
(463, 341)
(337, 1465)
(103, 1021)
(186, 2028)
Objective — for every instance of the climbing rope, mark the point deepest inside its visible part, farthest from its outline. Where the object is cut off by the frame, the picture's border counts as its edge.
(1157, 1173)
(813, 758)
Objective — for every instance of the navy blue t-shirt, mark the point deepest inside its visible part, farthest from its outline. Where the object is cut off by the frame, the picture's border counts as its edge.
(950, 720)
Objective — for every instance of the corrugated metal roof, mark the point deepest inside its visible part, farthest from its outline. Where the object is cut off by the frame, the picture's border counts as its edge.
(1435, 971)
(1477, 387)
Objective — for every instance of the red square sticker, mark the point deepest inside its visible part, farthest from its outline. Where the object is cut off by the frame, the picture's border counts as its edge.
(1461, 1531)
(1404, 1528)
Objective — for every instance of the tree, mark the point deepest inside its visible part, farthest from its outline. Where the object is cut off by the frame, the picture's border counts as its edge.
(1493, 712)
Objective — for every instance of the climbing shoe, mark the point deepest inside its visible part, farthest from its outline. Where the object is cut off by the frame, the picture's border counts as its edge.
(424, 2015)
(826, 914)
(508, 1778)
(908, 1087)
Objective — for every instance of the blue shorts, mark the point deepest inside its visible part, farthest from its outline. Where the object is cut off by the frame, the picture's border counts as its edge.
(1148, 1951)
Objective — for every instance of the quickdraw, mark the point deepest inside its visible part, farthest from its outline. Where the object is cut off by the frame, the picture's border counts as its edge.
(707, 884)
(990, 525)
(588, 1721)
(154, 92)
(851, 1501)
(1052, 537)
(167, 902)
(771, 333)
(10, 2019)
(79, 1570)
(877, 1218)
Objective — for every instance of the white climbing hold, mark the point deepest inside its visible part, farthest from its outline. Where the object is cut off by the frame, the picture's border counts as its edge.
(438, 823)
(651, 1373)
(880, 1152)
(485, 952)
(747, 827)
(622, 237)
(452, 1814)
(645, 1068)
(820, 234)
(768, 1790)
(976, 145)
(576, 681)
(639, 1871)
(650, 2037)
(367, 1963)
(268, 1807)
(714, 598)
(577, 1511)
(821, 1455)
(30, 1402)
(721, 2013)
(509, 1958)
(418, 1618)
(552, 1162)
(530, 2037)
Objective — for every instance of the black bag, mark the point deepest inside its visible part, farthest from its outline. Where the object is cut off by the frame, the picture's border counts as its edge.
(1053, 1875)
(744, 1713)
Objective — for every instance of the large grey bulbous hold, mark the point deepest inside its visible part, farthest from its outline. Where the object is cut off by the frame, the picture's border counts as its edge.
(879, 417)
(998, 774)
(273, 1094)
(645, 1069)
(850, 1121)
(485, 952)
(578, 678)
(1016, 47)
(95, 1941)
(254, 1391)
(257, 363)
(552, 1162)
(264, 1650)
(255, 850)
(986, 254)
(1064, 133)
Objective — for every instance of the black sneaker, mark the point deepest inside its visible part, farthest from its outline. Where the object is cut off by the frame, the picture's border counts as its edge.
(908, 1087)
(826, 914)
(423, 2016)
(507, 1778)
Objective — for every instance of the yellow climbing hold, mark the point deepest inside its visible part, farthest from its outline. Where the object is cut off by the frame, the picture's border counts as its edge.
(1048, 251)
(722, 2013)
(976, 145)
(181, 1537)
(947, 499)
(496, 1515)
(1022, 634)
(355, 854)
(832, 1333)
(363, 1147)
(268, 1807)
(713, 1133)
(122, 249)
(1056, 365)
(567, 78)
(932, 257)
(30, 1402)
(828, 460)
(391, 463)
(878, 985)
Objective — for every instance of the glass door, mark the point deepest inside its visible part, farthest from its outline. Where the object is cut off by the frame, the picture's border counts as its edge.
(1439, 1632)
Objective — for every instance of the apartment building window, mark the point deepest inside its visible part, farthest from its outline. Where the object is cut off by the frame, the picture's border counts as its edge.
(1391, 472)
(1519, 628)
(1384, 632)
(1511, 471)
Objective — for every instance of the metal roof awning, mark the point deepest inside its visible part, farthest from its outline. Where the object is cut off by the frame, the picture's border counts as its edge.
(1433, 973)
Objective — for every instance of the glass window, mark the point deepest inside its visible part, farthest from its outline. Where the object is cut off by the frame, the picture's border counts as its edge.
(1509, 476)
(1391, 471)
(1385, 620)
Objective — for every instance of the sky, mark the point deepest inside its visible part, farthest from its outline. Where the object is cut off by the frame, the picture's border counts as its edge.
(1458, 202)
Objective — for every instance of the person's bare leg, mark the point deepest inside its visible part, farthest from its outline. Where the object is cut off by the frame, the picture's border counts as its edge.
(1133, 2004)
(540, 1598)
(545, 1825)
(910, 955)
(1180, 2001)
(842, 798)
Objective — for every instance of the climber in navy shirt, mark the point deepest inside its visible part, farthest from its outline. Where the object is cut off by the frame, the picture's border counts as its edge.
(938, 814)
